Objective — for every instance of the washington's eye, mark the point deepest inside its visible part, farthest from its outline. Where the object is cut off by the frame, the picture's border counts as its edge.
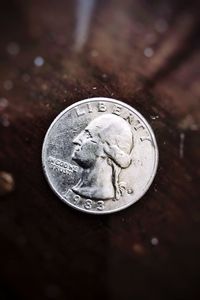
(88, 134)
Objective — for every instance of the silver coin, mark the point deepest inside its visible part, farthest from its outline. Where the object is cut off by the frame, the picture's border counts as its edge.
(100, 155)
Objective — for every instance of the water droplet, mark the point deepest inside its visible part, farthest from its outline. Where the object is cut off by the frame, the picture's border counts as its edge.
(148, 52)
(8, 85)
(3, 103)
(13, 48)
(39, 61)
(154, 241)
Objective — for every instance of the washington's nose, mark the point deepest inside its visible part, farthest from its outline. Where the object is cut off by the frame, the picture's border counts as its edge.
(77, 140)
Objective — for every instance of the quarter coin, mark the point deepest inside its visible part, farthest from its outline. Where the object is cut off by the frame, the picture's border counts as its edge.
(100, 155)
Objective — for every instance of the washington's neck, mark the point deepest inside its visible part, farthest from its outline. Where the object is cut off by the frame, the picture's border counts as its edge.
(96, 182)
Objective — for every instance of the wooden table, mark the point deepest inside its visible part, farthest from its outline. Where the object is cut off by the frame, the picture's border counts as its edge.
(52, 54)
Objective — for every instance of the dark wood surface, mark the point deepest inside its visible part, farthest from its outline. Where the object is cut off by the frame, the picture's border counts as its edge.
(47, 249)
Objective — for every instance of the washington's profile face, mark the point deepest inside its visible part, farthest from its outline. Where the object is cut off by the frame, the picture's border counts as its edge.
(102, 149)
(86, 149)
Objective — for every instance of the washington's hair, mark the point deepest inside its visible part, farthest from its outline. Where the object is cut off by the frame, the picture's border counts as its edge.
(116, 136)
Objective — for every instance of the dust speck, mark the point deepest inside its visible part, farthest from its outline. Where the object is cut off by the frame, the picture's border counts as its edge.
(188, 123)
(138, 249)
(104, 76)
(154, 117)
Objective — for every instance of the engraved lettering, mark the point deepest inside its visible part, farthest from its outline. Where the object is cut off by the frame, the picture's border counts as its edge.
(76, 199)
(102, 107)
(88, 204)
(117, 110)
(79, 112)
(100, 205)
(67, 194)
(90, 110)
(138, 125)
(146, 138)
(129, 118)
(62, 166)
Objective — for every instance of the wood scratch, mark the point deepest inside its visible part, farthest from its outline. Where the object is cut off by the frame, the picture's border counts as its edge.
(182, 143)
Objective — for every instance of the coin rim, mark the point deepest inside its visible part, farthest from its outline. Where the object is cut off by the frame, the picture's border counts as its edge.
(103, 99)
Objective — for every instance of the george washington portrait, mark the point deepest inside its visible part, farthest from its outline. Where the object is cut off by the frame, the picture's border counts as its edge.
(102, 150)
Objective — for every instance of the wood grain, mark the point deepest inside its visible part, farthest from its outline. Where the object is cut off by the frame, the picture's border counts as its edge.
(150, 250)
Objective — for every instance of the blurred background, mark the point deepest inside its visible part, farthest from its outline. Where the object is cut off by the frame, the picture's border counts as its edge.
(52, 54)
